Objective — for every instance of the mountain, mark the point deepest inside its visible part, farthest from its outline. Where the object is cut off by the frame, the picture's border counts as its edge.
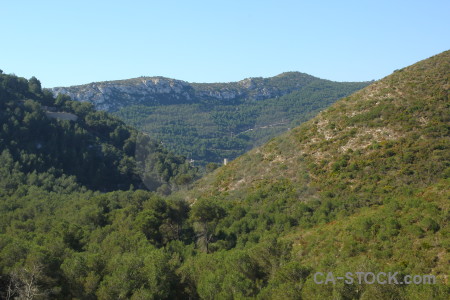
(149, 91)
(208, 122)
(380, 133)
(362, 187)
(46, 136)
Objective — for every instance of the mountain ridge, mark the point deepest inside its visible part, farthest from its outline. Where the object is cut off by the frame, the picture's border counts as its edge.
(162, 90)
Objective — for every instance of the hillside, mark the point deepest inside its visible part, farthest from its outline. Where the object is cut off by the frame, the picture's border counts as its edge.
(208, 122)
(364, 185)
(53, 137)
(384, 133)
(150, 91)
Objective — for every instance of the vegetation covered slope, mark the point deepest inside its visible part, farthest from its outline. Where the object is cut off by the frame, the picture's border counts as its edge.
(363, 187)
(391, 134)
(40, 134)
(208, 122)
(375, 165)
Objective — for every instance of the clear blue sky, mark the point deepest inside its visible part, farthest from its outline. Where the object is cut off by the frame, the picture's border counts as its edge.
(73, 42)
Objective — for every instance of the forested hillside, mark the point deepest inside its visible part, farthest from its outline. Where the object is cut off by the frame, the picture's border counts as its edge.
(43, 136)
(362, 187)
(208, 122)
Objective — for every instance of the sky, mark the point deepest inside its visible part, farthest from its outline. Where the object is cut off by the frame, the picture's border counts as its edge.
(66, 43)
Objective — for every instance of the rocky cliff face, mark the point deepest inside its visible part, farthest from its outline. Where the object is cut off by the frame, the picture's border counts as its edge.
(113, 95)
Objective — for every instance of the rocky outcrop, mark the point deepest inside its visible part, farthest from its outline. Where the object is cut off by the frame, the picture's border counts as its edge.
(113, 95)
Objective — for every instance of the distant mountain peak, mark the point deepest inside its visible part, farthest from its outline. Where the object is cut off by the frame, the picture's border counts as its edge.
(159, 90)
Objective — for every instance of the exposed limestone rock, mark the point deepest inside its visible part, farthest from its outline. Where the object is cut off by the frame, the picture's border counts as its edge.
(113, 95)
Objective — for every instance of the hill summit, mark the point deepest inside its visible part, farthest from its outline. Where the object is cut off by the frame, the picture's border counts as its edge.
(113, 95)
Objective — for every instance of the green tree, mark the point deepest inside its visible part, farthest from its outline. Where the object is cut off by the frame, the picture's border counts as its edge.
(35, 85)
(206, 214)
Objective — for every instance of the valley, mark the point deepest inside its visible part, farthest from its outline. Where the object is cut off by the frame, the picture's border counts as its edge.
(92, 209)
